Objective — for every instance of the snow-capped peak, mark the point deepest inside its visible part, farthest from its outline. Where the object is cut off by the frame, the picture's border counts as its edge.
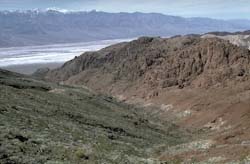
(37, 11)
(58, 10)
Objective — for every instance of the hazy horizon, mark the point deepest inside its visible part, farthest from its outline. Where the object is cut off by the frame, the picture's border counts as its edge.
(218, 9)
(132, 12)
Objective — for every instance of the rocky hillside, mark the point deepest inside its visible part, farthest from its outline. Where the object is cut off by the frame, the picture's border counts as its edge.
(155, 62)
(200, 84)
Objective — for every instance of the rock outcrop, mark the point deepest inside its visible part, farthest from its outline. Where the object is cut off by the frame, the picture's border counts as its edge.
(156, 62)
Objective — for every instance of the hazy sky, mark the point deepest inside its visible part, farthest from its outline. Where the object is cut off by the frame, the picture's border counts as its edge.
(226, 9)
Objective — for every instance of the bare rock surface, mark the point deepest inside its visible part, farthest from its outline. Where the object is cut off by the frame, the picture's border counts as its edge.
(156, 62)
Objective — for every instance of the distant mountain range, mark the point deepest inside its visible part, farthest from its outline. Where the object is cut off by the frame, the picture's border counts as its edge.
(36, 27)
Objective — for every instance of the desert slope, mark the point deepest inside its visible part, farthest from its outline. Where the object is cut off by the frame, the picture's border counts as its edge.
(43, 122)
(201, 84)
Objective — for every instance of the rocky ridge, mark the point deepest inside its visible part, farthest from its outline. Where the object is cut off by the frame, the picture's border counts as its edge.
(156, 62)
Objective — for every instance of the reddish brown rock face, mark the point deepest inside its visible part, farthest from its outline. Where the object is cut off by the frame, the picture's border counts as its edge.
(156, 62)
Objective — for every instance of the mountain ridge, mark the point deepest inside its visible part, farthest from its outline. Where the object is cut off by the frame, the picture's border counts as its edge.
(160, 53)
(20, 28)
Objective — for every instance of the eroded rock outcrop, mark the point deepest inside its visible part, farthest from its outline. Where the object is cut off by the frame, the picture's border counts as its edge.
(156, 62)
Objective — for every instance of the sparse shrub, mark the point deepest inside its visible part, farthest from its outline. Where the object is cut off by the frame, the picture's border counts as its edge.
(81, 154)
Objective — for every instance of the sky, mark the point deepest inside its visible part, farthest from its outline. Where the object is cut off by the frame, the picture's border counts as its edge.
(220, 9)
